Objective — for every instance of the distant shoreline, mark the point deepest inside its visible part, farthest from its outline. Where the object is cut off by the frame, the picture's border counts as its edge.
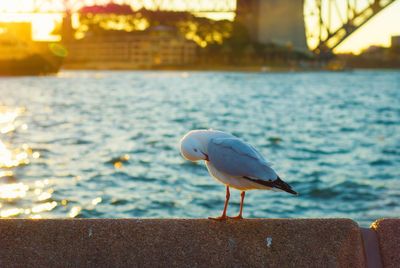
(192, 68)
(218, 68)
(229, 68)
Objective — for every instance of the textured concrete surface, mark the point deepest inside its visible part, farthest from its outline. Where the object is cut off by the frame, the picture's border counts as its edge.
(180, 243)
(388, 231)
(371, 248)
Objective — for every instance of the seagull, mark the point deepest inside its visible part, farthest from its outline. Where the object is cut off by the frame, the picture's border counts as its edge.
(233, 162)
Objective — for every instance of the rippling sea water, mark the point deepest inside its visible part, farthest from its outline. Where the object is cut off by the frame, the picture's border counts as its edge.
(105, 144)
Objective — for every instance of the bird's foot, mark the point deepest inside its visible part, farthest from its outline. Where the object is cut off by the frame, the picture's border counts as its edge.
(220, 218)
(238, 217)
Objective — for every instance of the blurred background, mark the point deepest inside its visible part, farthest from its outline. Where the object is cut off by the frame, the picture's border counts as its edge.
(95, 96)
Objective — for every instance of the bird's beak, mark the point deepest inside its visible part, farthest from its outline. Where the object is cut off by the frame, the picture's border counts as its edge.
(206, 157)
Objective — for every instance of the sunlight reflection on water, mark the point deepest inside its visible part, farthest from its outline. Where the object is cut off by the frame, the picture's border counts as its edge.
(11, 192)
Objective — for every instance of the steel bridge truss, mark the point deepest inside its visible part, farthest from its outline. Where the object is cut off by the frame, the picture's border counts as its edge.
(330, 22)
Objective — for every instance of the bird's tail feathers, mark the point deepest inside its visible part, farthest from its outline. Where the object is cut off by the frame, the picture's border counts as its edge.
(281, 185)
(277, 184)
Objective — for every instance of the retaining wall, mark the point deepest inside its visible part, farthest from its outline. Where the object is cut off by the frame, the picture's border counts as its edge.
(197, 243)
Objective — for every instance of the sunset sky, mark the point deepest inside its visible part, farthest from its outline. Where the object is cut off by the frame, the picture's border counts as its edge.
(378, 31)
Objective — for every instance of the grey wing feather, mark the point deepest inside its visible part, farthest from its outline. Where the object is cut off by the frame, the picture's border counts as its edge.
(235, 157)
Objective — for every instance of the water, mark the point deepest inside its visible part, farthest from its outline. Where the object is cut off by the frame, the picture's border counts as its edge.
(105, 144)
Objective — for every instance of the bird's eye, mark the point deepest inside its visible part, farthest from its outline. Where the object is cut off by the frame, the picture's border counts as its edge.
(195, 150)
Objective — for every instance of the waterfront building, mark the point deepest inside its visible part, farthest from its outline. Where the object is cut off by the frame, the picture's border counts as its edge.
(19, 55)
(15, 40)
(156, 47)
(395, 41)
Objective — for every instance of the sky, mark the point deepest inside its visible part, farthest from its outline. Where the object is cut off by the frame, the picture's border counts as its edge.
(377, 31)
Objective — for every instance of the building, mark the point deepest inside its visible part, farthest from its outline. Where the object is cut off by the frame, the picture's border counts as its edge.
(157, 47)
(19, 55)
(15, 40)
(274, 21)
(375, 52)
(395, 48)
(395, 41)
(19, 30)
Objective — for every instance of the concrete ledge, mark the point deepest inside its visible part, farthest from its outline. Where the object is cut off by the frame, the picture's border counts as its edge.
(388, 231)
(180, 243)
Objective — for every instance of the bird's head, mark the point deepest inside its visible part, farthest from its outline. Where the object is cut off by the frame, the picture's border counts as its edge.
(194, 146)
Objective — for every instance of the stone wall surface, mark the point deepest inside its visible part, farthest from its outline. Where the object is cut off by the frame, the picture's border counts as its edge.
(388, 231)
(180, 243)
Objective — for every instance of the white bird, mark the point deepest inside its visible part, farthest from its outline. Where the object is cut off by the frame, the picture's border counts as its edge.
(233, 162)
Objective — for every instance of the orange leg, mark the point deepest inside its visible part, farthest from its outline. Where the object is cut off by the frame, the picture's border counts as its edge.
(239, 217)
(223, 216)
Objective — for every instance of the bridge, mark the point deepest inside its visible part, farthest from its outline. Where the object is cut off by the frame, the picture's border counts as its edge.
(336, 20)
(317, 25)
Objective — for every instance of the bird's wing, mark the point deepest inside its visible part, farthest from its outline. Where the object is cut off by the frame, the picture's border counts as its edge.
(237, 158)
